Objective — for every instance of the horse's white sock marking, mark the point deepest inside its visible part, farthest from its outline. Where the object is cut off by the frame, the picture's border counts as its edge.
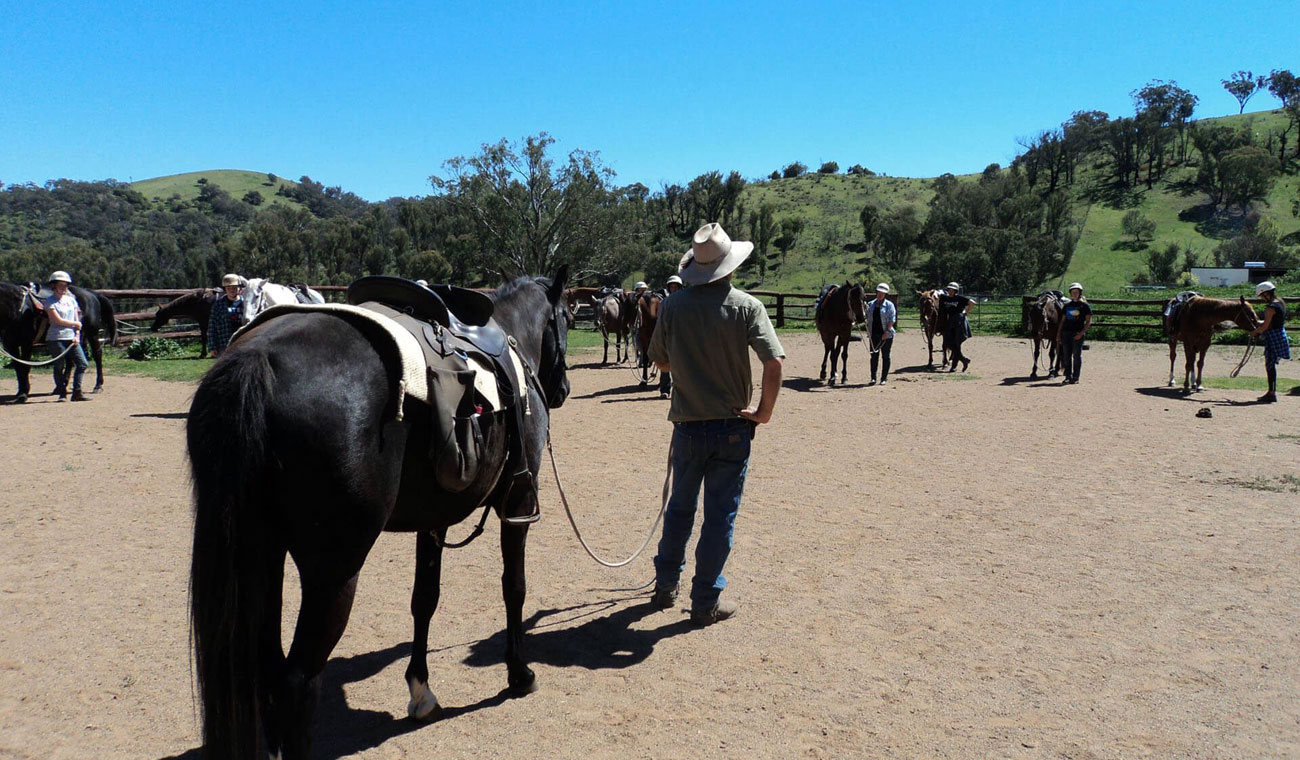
(423, 702)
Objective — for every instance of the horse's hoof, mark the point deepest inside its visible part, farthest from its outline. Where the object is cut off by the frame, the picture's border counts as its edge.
(1034, 376)
(525, 683)
(644, 383)
(423, 705)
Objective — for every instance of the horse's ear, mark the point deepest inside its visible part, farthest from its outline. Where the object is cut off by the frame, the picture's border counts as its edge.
(558, 282)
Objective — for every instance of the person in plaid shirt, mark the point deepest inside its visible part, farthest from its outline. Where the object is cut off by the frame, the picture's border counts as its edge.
(1276, 346)
(227, 314)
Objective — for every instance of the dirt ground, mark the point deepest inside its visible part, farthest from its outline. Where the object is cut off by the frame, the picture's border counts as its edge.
(947, 566)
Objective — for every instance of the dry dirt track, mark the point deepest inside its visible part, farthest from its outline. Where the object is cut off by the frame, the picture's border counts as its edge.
(938, 568)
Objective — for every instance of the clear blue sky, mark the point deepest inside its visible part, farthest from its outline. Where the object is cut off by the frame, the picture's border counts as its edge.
(374, 96)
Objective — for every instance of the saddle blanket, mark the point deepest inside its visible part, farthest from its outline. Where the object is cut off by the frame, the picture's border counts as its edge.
(413, 381)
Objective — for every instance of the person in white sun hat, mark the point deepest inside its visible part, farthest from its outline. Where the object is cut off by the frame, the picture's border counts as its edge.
(882, 315)
(956, 329)
(1276, 346)
(63, 338)
(1076, 318)
(704, 336)
(671, 285)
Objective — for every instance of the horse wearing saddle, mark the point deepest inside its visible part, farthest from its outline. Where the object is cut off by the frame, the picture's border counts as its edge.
(1174, 310)
(458, 337)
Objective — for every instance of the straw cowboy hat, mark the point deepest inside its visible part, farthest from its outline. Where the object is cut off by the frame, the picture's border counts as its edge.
(713, 255)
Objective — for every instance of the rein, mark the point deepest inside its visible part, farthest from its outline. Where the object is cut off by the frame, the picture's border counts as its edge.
(1250, 347)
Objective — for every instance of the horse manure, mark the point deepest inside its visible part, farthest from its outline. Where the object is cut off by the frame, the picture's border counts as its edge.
(1204, 412)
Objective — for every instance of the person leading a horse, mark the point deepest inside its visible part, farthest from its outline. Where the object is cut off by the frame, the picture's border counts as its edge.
(673, 285)
(703, 337)
(957, 327)
(227, 314)
(1276, 346)
(882, 315)
(63, 338)
(1076, 318)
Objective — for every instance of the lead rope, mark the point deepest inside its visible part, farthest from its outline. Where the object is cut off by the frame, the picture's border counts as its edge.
(565, 501)
(39, 364)
(1245, 357)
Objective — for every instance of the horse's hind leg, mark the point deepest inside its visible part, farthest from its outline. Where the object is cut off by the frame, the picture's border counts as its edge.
(1173, 355)
(97, 349)
(1189, 361)
(514, 588)
(424, 602)
(1054, 359)
(1033, 373)
(326, 605)
(844, 362)
(826, 353)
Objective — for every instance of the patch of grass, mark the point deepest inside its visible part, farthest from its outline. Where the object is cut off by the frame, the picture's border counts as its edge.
(189, 369)
(237, 182)
(1242, 382)
(1287, 483)
(1285, 437)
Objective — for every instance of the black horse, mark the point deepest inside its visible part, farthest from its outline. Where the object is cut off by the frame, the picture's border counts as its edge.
(297, 447)
(197, 306)
(20, 319)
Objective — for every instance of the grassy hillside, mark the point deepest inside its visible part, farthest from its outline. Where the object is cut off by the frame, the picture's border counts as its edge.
(830, 204)
(234, 181)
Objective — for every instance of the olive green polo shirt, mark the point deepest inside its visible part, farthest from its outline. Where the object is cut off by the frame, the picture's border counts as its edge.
(705, 333)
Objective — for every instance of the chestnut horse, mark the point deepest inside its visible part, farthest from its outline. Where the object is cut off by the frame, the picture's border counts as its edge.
(933, 320)
(839, 308)
(648, 316)
(197, 306)
(1045, 327)
(1198, 320)
(575, 296)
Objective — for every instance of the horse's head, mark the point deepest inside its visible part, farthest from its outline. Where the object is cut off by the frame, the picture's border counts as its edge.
(533, 310)
(857, 303)
(1246, 317)
(13, 302)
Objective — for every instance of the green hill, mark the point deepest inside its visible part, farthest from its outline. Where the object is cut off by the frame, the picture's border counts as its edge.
(829, 249)
(234, 181)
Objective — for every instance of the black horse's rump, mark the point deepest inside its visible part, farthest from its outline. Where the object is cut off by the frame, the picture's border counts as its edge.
(295, 451)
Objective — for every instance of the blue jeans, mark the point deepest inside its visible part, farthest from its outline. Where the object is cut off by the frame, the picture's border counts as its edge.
(1071, 355)
(75, 357)
(714, 454)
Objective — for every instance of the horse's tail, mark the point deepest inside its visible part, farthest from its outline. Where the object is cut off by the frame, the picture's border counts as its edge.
(227, 436)
(109, 318)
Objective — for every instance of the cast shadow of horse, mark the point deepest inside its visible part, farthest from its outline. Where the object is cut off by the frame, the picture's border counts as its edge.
(814, 385)
(602, 642)
(1177, 394)
(619, 391)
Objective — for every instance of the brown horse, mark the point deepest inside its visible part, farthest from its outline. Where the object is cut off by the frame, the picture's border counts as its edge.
(1198, 320)
(933, 320)
(616, 315)
(197, 306)
(839, 308)
(1045, 327)
(648, 316)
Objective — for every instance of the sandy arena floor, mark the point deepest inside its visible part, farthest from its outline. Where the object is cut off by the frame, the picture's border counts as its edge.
(947, 566)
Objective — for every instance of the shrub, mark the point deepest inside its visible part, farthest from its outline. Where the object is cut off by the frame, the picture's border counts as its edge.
(796, 169)
(830, 167)
(153, 347)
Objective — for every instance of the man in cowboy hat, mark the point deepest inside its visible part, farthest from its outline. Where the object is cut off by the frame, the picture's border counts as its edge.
(882, 315)
(672, 285)
(703, 337)
(227, 314)
(63, 338)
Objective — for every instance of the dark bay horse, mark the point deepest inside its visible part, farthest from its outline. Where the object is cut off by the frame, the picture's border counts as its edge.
(21, 318)
(933, 322)
(1044, 327)
(297, 447)
(616, 315)
(1199, 319)
(197, 306)
(839, 308)
(648, 307)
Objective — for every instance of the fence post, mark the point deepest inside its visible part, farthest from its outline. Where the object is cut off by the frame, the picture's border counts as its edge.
(780, 310)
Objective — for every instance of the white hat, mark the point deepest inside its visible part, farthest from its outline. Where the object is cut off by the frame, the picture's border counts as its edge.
(673, 280)
(422, 283)
(1074, 286)
(1260, 289)
(60, 276)
(713, 255)
(640, 285)
(231, 279)
(882, 287)
(952, 286)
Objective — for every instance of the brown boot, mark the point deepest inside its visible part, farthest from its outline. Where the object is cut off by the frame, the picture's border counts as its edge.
(79, 396)
(716, 614)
